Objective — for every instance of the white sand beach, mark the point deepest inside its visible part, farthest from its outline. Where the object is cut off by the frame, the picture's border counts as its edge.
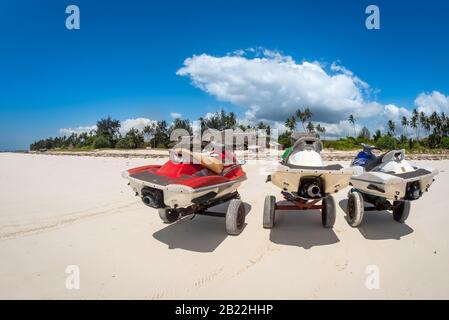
(57, 211)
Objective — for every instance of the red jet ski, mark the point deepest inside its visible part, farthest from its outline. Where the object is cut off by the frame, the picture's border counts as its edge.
(179, 188)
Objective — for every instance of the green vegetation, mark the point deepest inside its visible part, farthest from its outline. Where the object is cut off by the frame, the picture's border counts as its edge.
(107, 136)
(157, 135)
(420, 133)
(220, 121)
(132, 140)
(291, 122)
(100, 142)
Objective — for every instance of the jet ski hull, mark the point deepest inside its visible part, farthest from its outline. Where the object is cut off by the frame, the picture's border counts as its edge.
(394, 186)
(179, 195)
(289, 177)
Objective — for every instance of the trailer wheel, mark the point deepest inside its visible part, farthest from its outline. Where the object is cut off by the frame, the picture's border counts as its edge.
(356, 209)
(401, 210)
(168, 215)
(235, 217)
(328, 212)
(268, 212)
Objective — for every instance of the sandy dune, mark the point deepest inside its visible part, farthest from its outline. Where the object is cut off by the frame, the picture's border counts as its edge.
(57, 211)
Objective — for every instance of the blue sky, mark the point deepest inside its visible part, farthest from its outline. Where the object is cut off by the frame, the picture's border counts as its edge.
(123, 62)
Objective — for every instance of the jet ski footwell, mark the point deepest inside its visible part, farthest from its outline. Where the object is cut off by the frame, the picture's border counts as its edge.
(395, 186)
(377, 191)
(180, 189)
(176, 194)
(290, 177)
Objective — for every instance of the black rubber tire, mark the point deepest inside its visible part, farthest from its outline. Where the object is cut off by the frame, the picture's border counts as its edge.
(168, 215)
(328, 212)
(401, 210)
(356, 209)
(268, 212)
(235, 217)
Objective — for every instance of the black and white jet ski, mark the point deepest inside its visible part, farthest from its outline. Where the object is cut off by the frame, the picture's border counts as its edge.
(387, 182)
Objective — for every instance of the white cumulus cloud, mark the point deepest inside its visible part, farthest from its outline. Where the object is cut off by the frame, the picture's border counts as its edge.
(272, 86)
(77, 130)
(138, 123)
(395, 113)
(432, 102)
(340, 129)
(126, 125)
(175, 115)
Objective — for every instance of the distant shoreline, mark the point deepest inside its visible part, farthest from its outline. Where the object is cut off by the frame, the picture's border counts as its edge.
(328, 155)
(14, 151)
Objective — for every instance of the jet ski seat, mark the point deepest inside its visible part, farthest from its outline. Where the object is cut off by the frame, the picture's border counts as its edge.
(374, 162)
(211, 163)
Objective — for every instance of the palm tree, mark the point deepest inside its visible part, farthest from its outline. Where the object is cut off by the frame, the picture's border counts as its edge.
(391, 127)
(377, 135)
(322, 130)
(405, 123)
(304, 116)
(427, 126)
(290, 123)
(414, 122)
(439, 124)
(433, 119)
(351, 120)
(303, 120)
(308, 114)
(444, 124)
(422, 120)
(299, 114)
(310, 127)
(149, 131)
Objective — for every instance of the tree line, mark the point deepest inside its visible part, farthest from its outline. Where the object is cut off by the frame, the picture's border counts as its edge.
(107, 135)
(419, 131)
(156, 135)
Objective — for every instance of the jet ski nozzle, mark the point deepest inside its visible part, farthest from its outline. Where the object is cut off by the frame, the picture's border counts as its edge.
(149, 201)
(413, 191)
(310, 187)
(153, 198)
(313, 191)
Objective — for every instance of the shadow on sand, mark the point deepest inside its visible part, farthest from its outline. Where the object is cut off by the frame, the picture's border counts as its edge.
(379, 225)
(200, 234)
(301, 229)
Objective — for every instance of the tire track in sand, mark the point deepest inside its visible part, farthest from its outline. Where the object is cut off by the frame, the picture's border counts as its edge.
(38, 227)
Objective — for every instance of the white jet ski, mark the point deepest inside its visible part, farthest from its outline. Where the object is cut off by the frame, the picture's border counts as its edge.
(305, 180)
(387, 182)
(304, 174)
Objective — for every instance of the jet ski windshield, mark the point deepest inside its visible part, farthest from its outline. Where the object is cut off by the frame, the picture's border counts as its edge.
(306, 152)
(310, 145)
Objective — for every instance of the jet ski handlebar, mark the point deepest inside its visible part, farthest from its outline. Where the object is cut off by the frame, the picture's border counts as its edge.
(369, 148)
